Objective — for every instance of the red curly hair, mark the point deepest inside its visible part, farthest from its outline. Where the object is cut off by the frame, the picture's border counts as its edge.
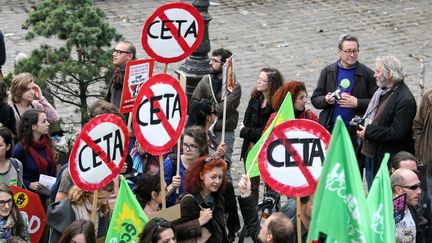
(293, 86)
(202, 165)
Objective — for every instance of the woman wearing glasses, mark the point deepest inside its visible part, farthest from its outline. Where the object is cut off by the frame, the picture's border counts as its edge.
(257, 114)
(13, 227)
(299, 98)
(157, 230)
(79, 206)
(194, 145)
(202, 210)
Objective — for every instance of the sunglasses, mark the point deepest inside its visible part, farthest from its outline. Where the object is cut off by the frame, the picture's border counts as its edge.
(413, 187)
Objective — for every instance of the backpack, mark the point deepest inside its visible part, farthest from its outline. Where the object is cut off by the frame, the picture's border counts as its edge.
(56, 185)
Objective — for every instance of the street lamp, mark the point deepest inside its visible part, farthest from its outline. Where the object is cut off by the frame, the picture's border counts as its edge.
(197, 64)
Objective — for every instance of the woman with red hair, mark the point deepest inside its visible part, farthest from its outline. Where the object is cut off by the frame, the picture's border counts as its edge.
(299, 97)
(202, 209)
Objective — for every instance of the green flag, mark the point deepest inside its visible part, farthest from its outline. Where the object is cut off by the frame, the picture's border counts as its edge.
(286, 112)
(128, 218)
(380, 204)
(339, 209)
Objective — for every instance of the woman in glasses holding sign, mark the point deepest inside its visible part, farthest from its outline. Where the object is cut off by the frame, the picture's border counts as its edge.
(202, 209)
(13, 228)
(194, 145)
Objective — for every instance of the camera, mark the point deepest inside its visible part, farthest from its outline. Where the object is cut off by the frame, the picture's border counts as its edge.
(336, 94)
(356, 122)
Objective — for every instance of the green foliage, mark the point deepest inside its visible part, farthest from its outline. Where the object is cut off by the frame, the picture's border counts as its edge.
(83, 59)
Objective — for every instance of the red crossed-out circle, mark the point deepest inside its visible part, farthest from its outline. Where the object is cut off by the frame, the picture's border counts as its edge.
(84, 137)
(160, 13)
(145, 94)
(278, 133)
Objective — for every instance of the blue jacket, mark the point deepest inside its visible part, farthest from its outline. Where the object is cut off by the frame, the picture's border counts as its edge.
(31, 171)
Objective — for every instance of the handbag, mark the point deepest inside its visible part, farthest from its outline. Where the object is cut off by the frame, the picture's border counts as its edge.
(205, 233)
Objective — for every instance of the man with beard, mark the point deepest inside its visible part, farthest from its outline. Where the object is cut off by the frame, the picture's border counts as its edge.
(123, 52)
(388, 118)
(210, 87)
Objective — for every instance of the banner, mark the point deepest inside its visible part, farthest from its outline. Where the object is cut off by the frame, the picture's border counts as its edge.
(228, 80)
(340, 210)
(380, 203)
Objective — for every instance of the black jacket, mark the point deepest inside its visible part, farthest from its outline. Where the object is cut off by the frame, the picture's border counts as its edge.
(392, 133)
(254, 121)
(363, 89)
(423, 230)
(188, 225)
(250, 217)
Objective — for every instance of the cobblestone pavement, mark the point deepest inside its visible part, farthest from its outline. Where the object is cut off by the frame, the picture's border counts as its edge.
(297, 37)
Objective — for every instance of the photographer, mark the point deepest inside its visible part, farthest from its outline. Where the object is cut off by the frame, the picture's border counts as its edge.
(388, 118)
(345, 87)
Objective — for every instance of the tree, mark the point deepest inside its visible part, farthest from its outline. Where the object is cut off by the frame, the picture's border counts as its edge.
(84, 59)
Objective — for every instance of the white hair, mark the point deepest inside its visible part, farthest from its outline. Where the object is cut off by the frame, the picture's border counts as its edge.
(391, 67)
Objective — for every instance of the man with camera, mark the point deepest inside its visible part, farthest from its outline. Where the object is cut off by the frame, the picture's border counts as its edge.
(345, 87)
(388, 118)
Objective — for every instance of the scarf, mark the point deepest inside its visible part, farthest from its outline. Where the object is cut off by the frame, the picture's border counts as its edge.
(83, 211)
(373, 105)
(41, 162)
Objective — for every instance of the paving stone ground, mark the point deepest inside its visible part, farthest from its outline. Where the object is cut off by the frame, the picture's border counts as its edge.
(297, 37)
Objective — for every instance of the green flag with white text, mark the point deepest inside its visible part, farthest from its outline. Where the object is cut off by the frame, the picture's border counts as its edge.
(380, 204)
(339, 209)
(285, 112)
(128, 218)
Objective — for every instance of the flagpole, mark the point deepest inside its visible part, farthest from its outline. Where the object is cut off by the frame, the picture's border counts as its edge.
(162, 180)
(182, 80)
(94, 206)
(254, 161)
(161, 165)
(165, 68)
(223, 120)
(299, 236)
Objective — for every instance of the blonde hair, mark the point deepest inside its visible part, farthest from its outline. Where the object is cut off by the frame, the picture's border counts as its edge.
(78, 196)
(19, 86)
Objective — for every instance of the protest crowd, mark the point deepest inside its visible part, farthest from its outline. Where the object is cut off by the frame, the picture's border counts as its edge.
(377, 130)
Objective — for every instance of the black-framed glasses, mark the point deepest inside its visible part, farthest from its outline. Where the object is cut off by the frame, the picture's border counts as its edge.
(349, 52)
(8, 202)
(190, 147)
(118, 52)
(413, 187)
(213, 112)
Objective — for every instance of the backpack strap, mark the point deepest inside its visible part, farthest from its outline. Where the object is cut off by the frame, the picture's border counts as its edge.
(15, 164)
